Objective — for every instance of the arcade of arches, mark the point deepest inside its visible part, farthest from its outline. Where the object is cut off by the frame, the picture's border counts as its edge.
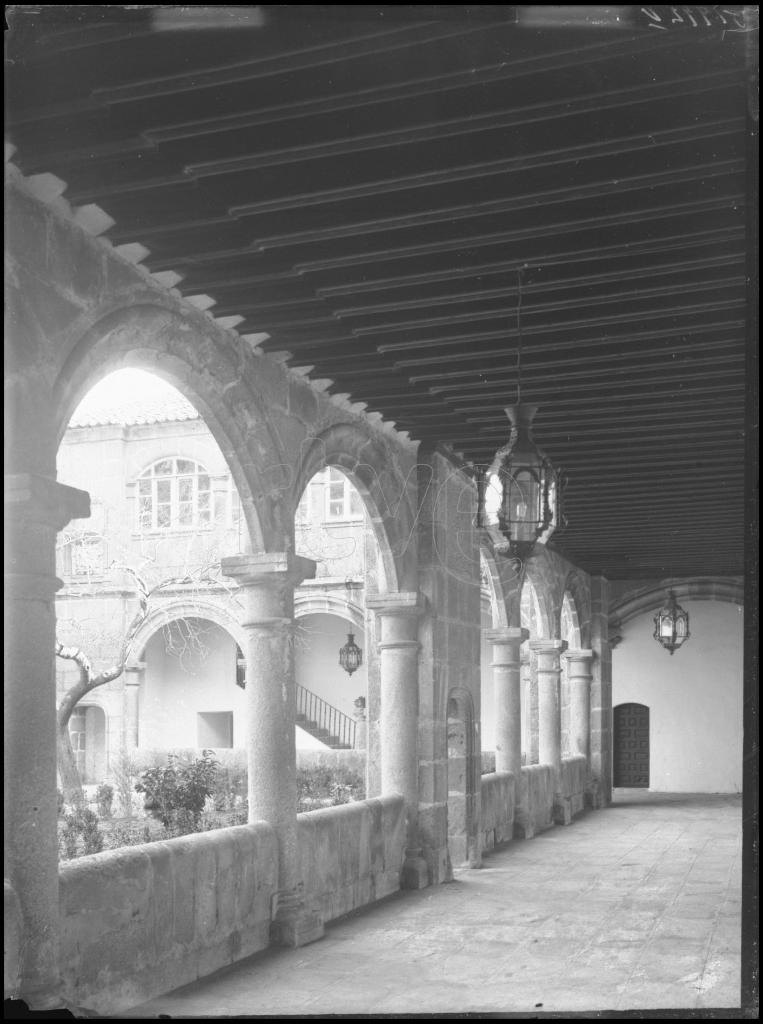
(542, 652)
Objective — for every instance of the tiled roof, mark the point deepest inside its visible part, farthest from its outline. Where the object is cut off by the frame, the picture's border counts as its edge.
(136, 401)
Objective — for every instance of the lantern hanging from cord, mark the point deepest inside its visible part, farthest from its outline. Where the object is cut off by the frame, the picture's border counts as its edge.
(519, 494)
(350, 656)
(671, 624)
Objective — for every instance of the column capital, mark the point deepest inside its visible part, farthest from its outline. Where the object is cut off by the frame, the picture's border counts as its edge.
(582, 654)
(268, 567)
(548, 646)
(507, 635)
(40, 499)
(407, 604)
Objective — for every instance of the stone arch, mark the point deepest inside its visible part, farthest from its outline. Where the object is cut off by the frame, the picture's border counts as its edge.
(389, 505)
(184, 607)
(694, 588)
(580, 606)
(165, 343)
(463, 774)
(329, 604)
(499, 608)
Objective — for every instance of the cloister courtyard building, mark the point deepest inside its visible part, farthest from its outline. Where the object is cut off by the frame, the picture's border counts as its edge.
(350, 238)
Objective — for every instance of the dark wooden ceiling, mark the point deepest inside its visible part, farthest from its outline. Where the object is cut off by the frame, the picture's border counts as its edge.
(364, 184)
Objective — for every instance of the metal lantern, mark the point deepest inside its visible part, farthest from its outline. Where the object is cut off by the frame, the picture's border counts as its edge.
(671, 624)
(520, 499)
(350, 656)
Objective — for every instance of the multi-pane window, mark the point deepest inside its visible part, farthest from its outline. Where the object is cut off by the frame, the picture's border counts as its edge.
(174, 494)
(342, 500)
(77, 735)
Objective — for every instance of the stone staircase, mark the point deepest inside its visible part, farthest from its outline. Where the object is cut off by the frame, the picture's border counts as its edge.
(323, 721)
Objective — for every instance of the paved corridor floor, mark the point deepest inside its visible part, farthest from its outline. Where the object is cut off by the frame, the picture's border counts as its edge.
(636, 906)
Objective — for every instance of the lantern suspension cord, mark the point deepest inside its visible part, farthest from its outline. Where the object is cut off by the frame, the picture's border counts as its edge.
(520, 272)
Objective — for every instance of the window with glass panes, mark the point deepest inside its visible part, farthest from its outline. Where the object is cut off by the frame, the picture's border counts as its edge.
(342, 500)
(174, 494)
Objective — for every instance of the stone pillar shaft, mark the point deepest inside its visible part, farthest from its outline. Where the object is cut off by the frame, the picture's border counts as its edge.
(579, 678)
(506, 645)
(134, 676)
(36, 508)
(549, 702)
(397, 616)
(266, 586)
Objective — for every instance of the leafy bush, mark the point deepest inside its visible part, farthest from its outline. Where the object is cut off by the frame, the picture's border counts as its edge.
(327, 786)
(105, 797)
(230, 787)
(176, 793)
(81, 825)
(129, 834)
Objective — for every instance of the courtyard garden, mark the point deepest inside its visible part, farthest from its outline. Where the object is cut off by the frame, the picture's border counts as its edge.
(157, 796)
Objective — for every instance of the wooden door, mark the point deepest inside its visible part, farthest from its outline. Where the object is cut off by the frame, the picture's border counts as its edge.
(631, 746)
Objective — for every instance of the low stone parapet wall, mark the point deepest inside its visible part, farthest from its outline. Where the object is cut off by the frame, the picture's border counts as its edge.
(143, 920)
(496, 809)
(351, 855)
(538, 780)
(574, 780)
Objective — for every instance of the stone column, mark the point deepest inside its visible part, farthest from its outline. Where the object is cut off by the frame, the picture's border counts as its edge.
(579, 679)
(359, 714)
(397, 617)
(507, 683)
(549, 701)
(266, 585)
(550, 718)
(508, 700)
(600, 792)
(134, 676)
(36, 507)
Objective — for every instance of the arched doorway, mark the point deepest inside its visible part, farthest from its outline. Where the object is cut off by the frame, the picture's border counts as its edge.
(630, 767)
(190, 697)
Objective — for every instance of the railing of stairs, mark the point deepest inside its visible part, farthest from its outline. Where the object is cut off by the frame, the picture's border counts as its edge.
(323, 720)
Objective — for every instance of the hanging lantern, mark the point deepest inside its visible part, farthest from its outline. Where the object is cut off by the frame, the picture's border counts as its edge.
(671, 624)
(350, 656)
(520, 492)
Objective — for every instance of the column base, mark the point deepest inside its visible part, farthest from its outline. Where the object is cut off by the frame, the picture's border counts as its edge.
(294, 925)
(562, 810)
(593, 798)
(524, 830)
(415, 874)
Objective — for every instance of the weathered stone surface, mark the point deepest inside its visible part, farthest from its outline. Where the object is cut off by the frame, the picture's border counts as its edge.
(351, 855)
(140, 921)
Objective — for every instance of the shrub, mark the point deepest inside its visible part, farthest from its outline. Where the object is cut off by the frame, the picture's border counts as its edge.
(176, 793)
(105, 797)
(82, 824)
(124, 778)
(129, 834)
(327, 786)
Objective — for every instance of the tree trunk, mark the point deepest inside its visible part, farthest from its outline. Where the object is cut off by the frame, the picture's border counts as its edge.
(71, 784)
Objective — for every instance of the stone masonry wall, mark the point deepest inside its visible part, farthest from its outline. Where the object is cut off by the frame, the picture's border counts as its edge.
(496, 809)
(351, 855)
(574, 781)
(450, 652)
(539, 779)
(143, 920)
